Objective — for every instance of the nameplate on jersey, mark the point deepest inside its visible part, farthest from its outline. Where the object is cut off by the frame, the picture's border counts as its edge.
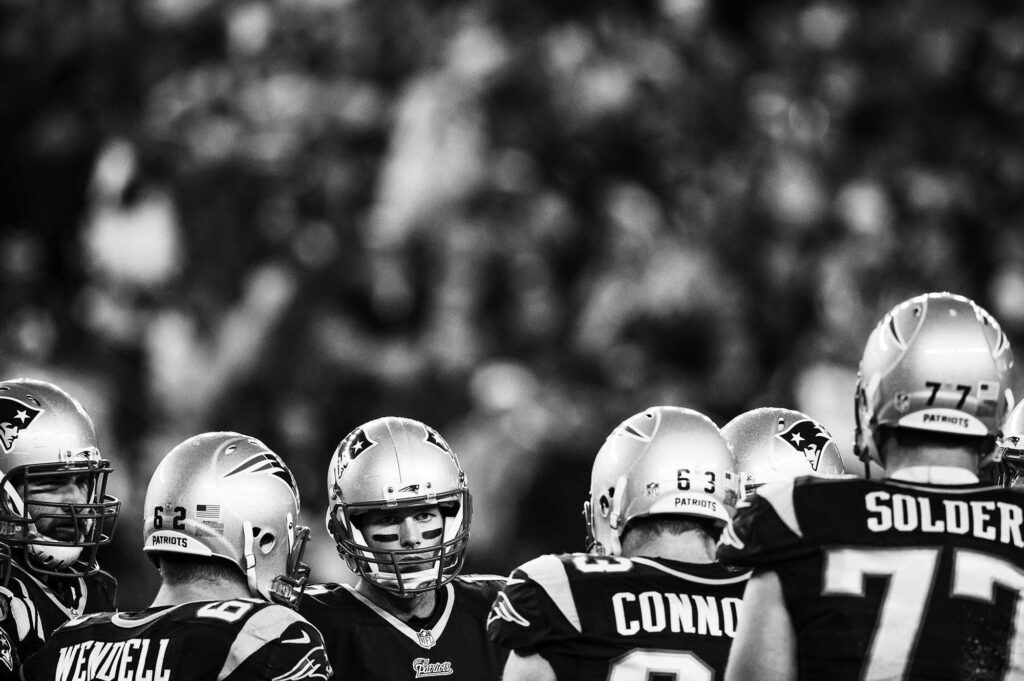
(141, 659)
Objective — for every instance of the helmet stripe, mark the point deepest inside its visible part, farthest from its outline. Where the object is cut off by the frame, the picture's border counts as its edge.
(263, 463)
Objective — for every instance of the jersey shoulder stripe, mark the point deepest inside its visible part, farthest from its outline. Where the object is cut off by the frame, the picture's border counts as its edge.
(548, 572)
(265, 625)
(780, 495)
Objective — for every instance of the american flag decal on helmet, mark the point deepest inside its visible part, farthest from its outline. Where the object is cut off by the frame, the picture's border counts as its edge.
(264, 462)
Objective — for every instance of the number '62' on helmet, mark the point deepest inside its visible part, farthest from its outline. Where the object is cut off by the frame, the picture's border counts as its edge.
(662, 461)
(396, 463)
(936, 362)
(227, 495)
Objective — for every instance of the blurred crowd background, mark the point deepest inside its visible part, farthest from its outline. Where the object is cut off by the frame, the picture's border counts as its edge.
(520, 222)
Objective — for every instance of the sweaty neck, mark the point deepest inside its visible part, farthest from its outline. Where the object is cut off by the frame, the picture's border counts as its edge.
(200, 590)
(689, 547)
(420, 605)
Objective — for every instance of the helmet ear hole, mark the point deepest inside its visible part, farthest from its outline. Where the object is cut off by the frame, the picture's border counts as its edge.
(265, 540)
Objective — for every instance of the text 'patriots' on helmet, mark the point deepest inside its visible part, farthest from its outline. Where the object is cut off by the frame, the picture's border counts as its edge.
(54, 505)
(227, 495)
(394, 468)
(772, 443)
(662, 461)
(936, 362)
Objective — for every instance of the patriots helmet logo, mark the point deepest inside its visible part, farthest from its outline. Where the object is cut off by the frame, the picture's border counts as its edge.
(808, 438)
(434, 438)
(15, 416)
(358, 443)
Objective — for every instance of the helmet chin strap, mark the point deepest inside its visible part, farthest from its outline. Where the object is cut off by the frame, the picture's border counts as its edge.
(407, 580)
(250, 560)
(614, 547)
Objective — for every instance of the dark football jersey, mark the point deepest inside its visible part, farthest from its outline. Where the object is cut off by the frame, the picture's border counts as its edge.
(366, 643)
(32, 609)
(604, 617)
(237, 640)
(893, 580)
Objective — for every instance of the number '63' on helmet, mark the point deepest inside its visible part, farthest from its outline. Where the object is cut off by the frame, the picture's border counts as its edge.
(394, 463)
(227, 495)
(47, 437)
(936, 362)
(664, 460)
(772, 443)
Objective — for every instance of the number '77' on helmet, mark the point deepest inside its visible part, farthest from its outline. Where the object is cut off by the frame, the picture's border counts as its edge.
(936, 362)
(662, 461)
(226, 495)
(394, 463)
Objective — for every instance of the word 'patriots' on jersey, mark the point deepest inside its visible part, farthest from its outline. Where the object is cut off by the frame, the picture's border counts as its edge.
(367, 643)
(593, 616)
(236, 640)
(900, 579)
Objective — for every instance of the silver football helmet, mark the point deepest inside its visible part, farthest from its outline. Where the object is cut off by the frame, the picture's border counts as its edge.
(664, 460)
(772, 443)
(1008, 463)
(936, 362)
(227, 495)
(398, 463)
(47, 439)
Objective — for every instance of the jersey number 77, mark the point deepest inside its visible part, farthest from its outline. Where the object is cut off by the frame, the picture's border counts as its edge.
(911, 573)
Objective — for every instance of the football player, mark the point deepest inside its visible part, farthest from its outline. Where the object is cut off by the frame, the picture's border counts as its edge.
(649, 601)
(772, 443)
(915, 576)
(1007, 465)
(399, 511)
(221, 526)
(55, 513)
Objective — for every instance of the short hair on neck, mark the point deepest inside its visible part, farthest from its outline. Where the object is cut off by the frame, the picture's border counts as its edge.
(648, 528)
(176, 569)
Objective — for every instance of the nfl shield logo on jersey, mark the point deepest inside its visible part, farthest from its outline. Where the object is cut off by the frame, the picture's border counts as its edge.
(426, 639)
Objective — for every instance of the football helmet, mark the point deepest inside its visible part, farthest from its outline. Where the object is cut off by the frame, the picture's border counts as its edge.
(936, 362)
(47, 439)
(664, 460)
(227, 495)
(396, 463)
(772, 443)
(1007, 467)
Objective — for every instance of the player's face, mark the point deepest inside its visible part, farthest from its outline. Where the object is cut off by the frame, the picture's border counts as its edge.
(58, 493)
(420, 527)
